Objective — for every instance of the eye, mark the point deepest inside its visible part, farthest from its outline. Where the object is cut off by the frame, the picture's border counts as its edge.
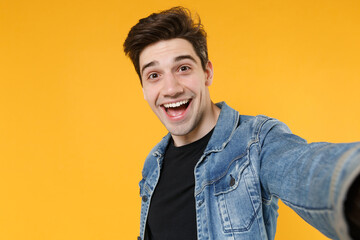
(153, 75)
(184, 68)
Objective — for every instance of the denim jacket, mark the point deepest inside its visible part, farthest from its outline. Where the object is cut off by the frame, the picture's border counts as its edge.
(251, 162)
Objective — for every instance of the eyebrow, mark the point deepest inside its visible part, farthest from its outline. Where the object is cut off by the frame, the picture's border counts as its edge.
(177, 59)
(181, 57)
(150, 64)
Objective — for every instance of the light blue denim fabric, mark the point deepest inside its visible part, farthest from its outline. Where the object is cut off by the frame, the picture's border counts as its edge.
(251, 162)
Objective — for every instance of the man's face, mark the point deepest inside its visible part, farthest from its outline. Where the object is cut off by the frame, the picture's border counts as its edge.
(176, 86)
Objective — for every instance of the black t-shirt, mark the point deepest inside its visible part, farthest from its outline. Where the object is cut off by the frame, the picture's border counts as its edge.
(172, 213)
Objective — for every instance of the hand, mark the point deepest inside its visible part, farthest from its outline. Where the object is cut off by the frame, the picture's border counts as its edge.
(352, 209)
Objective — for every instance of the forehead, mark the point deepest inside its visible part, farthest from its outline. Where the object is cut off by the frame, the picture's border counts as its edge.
(166, 50)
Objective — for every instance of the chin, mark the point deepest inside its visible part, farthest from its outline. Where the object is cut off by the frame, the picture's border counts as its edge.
(179, 131)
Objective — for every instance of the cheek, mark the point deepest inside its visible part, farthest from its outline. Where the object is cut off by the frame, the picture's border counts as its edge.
(149, 95)
(198, 88)
(194, 86)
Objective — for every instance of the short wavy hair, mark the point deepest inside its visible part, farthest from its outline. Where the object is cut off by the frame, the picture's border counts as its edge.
(175, 22)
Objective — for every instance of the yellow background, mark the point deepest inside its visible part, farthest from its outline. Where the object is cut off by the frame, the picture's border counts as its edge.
(75, 129)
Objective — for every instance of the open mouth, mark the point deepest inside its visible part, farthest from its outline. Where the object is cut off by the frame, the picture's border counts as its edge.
(177, 108)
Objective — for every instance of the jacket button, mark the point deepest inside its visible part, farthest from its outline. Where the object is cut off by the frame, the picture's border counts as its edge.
(232, 181)
(144, 198)
(138, 238)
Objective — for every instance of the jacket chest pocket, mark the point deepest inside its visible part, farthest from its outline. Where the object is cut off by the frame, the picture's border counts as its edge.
(237, 197)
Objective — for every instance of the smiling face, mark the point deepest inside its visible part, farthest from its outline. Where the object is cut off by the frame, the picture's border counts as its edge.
(176, 87)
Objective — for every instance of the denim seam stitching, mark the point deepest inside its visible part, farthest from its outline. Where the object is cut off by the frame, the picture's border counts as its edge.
(267, 201)
(303, 207)
(149, 200)
(260, 128)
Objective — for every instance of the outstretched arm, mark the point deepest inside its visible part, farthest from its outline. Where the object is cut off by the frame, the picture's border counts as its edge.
(313, 179)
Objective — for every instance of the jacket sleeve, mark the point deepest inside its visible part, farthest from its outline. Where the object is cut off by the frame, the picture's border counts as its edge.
(312, 179)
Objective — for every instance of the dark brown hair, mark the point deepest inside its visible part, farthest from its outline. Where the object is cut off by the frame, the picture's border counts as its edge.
(172, 23)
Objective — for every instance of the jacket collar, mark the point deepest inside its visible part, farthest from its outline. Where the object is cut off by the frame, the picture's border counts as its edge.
(224, 129)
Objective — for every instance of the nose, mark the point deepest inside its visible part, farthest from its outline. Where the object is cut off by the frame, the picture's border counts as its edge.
(171, 86)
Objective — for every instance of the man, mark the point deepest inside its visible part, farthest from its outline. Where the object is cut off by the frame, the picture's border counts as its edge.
(218, 174)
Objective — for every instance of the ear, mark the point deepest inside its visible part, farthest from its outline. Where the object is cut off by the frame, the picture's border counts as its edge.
(209, 73)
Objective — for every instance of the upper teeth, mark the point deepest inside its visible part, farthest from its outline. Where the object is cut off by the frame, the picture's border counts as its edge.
(176, 104)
